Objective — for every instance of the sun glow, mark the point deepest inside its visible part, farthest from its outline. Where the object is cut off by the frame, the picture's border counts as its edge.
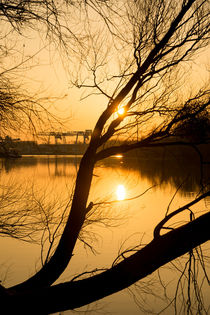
(120, 192)
(121, 111)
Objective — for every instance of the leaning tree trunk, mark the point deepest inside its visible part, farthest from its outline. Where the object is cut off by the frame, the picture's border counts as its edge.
(71, 295)
(51, 271)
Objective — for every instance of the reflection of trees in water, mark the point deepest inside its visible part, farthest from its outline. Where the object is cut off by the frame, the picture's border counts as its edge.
(39, 216)
(172, 172)
(10, 164)
(178, 167)
(30, 161)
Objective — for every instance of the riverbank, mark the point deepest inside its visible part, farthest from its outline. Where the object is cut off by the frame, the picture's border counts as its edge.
(32, 148)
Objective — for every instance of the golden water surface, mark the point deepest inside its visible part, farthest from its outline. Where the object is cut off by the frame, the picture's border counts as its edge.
(131, 197)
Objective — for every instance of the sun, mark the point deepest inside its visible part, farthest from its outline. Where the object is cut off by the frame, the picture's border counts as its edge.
(120, 192)
(121, 111)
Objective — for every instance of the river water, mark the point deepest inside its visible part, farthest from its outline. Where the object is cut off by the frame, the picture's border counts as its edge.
(133, 195)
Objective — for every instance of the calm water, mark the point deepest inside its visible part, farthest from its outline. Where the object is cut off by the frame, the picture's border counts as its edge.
(43, 186)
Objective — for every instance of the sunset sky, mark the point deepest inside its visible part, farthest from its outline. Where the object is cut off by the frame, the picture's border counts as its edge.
(49, 72)
(52, 78)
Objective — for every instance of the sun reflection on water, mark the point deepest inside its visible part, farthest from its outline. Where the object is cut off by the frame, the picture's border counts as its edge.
(120, 192)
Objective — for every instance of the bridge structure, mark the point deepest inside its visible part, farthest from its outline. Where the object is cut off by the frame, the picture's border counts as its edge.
(62, 135)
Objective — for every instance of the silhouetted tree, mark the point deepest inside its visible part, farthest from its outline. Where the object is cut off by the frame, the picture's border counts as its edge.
(20, 109)
(154, 38)
(195, 128)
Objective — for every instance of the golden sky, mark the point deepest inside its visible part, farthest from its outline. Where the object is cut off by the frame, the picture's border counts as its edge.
(49, 71)
(52, 77)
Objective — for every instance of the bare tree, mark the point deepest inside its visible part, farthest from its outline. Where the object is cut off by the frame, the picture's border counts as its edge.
(164, 35)
(19, 108)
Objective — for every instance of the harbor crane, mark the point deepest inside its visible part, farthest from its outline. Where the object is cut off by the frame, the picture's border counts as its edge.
(62, 135)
